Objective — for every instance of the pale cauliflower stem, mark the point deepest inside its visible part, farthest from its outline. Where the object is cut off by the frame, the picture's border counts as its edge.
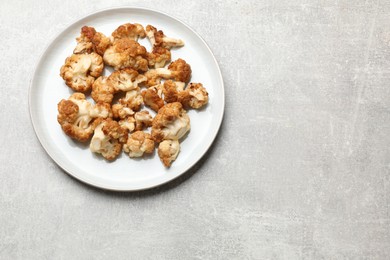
(91, 41)
(138, 144)
(126, 79)
(76, 116)
(179, 70)
(152, 97)
(171, 122)
(126, 53)
(157, 38)
(108, 138)
(80, 70)
(128, 30)
(168, 150)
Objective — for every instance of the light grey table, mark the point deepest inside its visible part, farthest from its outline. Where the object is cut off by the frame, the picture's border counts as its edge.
(300, 169)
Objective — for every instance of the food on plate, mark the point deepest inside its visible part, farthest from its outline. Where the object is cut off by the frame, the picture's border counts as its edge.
(138, 104)
(138, 144)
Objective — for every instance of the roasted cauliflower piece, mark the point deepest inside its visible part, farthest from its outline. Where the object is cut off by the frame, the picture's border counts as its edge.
(102, 90)
(126, 52)
(126, 79)
(120, 111)
(138, 144)
(152, 98)
(159, 57)
(170, 123)
(108, 138)
(76, 116)
(195, 96)
(171, 90)
(80, 70)
(157, 38)
(168, 151)
(128, 123)
(179, 70)
(91, 41)
(142, 120)
(133, 99)
(128, 30)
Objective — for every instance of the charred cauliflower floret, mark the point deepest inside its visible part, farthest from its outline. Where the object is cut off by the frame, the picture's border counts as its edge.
(102, 90)
(168, 151)
(195, 96)
(125, 79)
(91, 41)
(128, 30)
(157, 38)
(152, 98)
(133, 100)
(170, 123)
(142, 120)
(125, 53)
(159, 57)
(138, 144)
(76, 115)
(80, 70)
(108, 138)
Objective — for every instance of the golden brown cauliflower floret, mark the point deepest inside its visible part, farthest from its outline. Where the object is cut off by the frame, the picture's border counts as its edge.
(128, 30)
(168, 151)
(76, 115)
(142, 120)
(91, 41)
(126, 79)
(133, 99)
(139, 143)
(159, 57)
(128, 123)
(152, 98)
(195, 96)
(120, 111)
(126, 53)
(171, 122)
(80, 70)
(157, 38)
(102, 90)
(178, 70)
(171, 90)
(108, 138)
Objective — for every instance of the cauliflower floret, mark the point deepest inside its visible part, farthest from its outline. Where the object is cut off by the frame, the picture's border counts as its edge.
(168, 151)
(152, 97)
(120, 111)
(80, 70)
(128, 30)
(139, 143)
(108, 138)
(126, 79)
(171, 90)
(142, 120)
(195, 96)
(171, 122)
(128, 123)
(133, 99)
(125, 53)
(179, 70)
(157, 38)
(159, 57)
(76, 115)
(91, 41)
(102, 90)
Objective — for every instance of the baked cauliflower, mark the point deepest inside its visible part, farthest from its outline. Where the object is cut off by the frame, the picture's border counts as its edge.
(102, 90)
(168, 150)
(76, 116)
(171, 122)
(125, 52)
(138, 144)
(179, 70)
(158, 38)
(142, 120)
(120, 111)
(108, 138)
(126, 79)
(159, 57)
(80, 70)
(194, 96)
(152, 97)
(171, 90)
(128, 30)
(91, 41)
(133, 99)
(128, 123)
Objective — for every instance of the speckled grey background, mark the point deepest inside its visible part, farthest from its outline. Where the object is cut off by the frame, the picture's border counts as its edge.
(300, 169)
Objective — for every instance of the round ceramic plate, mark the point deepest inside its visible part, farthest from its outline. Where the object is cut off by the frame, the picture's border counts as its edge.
(124, 174)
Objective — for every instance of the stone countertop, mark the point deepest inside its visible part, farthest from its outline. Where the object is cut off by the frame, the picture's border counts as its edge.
(299, 170)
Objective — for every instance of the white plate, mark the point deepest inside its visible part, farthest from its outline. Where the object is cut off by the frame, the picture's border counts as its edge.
(47, 89)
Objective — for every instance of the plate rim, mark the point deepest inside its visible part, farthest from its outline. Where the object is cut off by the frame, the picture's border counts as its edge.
(99, 185)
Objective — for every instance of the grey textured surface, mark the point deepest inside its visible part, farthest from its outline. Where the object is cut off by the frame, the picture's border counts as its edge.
(300, 169)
